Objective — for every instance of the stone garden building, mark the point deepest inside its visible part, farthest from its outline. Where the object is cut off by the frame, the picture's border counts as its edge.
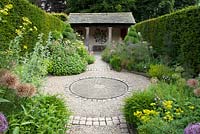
(99, 29)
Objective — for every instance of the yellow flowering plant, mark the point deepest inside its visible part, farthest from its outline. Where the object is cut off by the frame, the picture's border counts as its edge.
(167, 104)
(27, 26)
(145, 115)
(5, 11)
(165, 110)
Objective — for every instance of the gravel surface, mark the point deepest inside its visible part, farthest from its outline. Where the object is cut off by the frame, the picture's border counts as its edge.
(87, 106)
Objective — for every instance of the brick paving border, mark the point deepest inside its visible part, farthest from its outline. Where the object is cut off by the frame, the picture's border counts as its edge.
(100, 121)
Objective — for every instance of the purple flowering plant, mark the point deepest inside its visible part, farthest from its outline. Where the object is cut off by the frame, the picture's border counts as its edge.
(3, 123)
(193, 128)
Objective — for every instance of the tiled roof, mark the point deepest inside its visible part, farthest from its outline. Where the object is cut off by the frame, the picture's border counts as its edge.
(101, 18)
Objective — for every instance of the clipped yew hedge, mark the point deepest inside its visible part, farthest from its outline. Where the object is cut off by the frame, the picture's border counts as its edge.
(177, 36)
(22, 8)
(61, 16)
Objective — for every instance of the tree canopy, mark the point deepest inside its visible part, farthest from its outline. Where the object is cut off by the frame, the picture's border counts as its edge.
(100, 5)
(141, 9)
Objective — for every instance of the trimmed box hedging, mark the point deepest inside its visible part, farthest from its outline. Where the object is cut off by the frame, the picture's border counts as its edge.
(22, 8)
(61, 16)
(177, 36)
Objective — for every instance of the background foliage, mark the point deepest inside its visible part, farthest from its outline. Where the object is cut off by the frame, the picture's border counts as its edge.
(22, 8)
(141, 9)
(65, 60)
(176, 37)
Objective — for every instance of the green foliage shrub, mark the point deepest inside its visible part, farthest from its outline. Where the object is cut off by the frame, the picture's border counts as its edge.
(130, 56)
(90, 59)
(68, 56)
(61, 16)
(82, 51)
(106, 54)
(138, 101)
(141, 55)
(22, 8)
(65, 60)
(57, 35)
(160, 71)
(175, 36)
(158, 126)
(68, 32)
(115, 62)
(40, 114)
(170, 91)
(132, 36)
(33, 67)
(140, 51)
(116, 56)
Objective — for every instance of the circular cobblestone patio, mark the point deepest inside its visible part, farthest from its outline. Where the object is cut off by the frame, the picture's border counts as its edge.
(98, 88)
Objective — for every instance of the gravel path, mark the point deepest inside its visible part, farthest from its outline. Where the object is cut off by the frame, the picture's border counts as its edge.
(94, 111)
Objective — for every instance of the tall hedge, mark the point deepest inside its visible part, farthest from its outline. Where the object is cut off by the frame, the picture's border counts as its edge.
(176, 36)
(22, 8)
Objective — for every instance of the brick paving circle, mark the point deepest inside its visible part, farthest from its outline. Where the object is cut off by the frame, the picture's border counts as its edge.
(98, 88)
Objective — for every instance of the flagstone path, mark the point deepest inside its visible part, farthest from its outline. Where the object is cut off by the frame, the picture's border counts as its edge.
(95, 97)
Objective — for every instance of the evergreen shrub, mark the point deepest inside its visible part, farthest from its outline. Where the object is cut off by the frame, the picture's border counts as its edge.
(132, 36)
(176, 36)
(22, 8)
(65, 60)
(115, 62)
(61, 16)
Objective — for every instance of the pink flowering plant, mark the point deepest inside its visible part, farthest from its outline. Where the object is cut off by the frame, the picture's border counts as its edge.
(193, 83)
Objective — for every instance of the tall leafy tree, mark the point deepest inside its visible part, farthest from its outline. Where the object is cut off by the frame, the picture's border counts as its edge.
(142, 9)
(50, 5)
(184, 3)
(100, 5)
